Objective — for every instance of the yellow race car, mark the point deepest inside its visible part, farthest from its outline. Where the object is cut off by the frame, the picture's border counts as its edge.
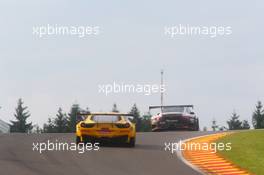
(112, 127)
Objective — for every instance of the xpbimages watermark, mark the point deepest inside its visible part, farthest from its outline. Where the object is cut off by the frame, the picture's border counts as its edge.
(189, 30)
(60, 30)
(145, 89)
(173, 147)
(64, 146)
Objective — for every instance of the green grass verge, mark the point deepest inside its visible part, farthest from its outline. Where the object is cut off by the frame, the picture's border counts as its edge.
(247, 150)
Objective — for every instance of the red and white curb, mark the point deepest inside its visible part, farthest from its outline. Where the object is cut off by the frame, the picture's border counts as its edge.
(206, 161)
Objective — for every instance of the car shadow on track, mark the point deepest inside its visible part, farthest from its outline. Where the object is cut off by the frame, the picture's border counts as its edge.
(150, 147)
(137, 146)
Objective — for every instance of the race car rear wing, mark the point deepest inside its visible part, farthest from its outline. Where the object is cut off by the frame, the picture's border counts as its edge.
(81, 115)
(161, 107)
(102, 113)
(154, 107)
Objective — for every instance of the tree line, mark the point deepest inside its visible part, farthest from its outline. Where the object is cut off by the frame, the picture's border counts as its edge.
(66, 123)
(63, 122)
(234, 123)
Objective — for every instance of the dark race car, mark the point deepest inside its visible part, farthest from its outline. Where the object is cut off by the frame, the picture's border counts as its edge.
(176, 117)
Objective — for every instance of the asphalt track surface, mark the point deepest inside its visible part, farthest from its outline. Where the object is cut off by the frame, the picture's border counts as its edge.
(147, 158)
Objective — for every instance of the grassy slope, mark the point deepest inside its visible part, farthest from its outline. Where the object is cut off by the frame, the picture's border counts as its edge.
(247, 150)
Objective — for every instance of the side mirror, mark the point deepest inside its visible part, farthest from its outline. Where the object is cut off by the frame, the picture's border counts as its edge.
(192, 113)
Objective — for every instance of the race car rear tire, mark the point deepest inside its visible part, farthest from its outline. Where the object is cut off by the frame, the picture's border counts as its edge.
(132, 142)
(197, 125)
(78, 140)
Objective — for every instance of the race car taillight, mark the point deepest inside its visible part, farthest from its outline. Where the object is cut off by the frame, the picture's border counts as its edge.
(121, 125)
(158, 118)
(87, 125)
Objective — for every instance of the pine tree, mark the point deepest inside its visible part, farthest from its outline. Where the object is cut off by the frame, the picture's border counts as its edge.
(245, 124)
(145, 123)
(114, 109)
(49, 127)
(234, 123)
(136, 114)
(71, 124)
(21, 115)
(60, 122)
(258, 116)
